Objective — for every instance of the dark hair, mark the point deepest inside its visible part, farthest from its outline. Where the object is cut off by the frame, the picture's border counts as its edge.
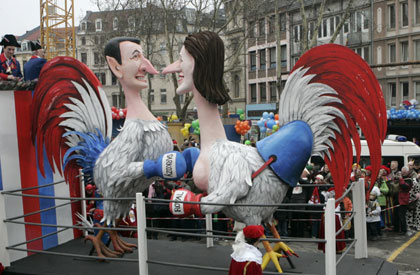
(208, 51)
(251, 240)
(112, 48)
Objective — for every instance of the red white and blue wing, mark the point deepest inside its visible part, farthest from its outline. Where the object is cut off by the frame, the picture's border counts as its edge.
(68, 103)
(334, 90)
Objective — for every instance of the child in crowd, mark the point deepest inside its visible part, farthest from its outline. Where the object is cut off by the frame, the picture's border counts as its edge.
(373, 214)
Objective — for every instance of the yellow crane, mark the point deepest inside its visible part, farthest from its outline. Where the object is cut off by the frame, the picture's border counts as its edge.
(57, 28)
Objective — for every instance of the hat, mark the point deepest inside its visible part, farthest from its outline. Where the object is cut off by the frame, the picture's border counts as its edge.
(35, 45)
(386, 169)
(369, 167)
(253, 231)
(9, 40)
(355, 164)
(375, 191)
(309, 167)
(89, 187)
(320, 177)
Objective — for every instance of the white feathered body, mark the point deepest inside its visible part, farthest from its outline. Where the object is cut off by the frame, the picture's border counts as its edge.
(118, 171)
(231, 167)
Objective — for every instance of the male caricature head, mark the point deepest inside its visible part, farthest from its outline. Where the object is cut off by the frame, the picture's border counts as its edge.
(125, 58)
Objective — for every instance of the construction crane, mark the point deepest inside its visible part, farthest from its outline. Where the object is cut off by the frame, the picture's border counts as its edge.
(57, 28)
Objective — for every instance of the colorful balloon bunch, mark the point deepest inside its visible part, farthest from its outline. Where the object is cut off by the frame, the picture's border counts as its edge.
(242, 127)
(241, 113)
(173, 118)
(411, 114)
(269, 123)
(196, 126)
(186, 130)
(118, 113)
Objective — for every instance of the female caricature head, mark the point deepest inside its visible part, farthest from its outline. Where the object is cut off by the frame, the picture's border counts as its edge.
(207, 50)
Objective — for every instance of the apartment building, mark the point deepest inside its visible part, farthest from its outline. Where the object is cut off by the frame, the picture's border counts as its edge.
(396, 39)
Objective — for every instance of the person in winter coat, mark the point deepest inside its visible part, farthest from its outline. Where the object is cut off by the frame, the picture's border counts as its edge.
(373, 212)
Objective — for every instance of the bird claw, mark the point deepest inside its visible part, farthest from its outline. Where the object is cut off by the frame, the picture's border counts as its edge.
(281, 246)
(101, 250)
(120, 245)
(273, 256)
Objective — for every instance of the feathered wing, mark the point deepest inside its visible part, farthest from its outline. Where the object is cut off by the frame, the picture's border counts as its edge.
(70, 114)
(333, 89)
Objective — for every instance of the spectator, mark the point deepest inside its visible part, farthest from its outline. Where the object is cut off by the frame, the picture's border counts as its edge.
(373, 211)
(413, 214)
(300, 195)
(406, 184)
(33, 67)
(394, 188)
(9, 66)
(381, 198)
(315, 200)
(412, 173)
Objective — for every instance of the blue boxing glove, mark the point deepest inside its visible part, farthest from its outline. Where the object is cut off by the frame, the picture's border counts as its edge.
(191, 155)
(171, 166)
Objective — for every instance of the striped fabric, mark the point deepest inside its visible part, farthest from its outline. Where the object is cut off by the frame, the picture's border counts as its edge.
(18, 169)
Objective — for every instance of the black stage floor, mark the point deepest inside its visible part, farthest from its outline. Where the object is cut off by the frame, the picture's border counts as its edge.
(194, 253)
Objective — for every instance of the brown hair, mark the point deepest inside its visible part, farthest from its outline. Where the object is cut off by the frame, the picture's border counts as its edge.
(208, 51)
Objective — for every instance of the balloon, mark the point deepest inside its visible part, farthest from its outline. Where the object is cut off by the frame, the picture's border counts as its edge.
(240, 111)
(271, 115)
(265, 115)
(270, 123)
(275, 128)
(263, 129)
(195, 124)
(247, 142)
(197, 131)
(276, 117)
(114, 115)
(242, 116)
(121, 113)
(260, 123)
(187, 125)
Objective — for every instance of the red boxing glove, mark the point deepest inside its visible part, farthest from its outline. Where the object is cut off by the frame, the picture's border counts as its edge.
(183, 209)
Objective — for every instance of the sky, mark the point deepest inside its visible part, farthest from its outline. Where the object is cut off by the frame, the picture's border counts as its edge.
(19, 16)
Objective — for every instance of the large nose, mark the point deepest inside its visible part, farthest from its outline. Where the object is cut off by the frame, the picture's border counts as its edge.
(172, 68)
(147, 66)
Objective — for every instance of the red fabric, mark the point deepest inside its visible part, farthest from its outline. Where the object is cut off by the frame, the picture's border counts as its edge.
(339, 245)
(404, 194)
(253, 231)
(315, 196)
(237, 268)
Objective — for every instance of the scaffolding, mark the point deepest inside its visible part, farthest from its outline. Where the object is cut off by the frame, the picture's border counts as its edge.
(57, 28)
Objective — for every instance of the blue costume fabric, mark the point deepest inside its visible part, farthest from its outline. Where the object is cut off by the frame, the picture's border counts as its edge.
(33, 67)
(13, 64)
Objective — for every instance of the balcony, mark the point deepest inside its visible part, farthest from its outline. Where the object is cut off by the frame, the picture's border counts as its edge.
(356, 38)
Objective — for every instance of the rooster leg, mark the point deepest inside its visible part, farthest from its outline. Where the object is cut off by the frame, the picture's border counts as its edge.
(271, 255)
(281, 246)
(118, 244)
(101, 249)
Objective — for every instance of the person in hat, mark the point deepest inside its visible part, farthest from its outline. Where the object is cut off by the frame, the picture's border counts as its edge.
(33, 67)
(246, 258)
(9, 66)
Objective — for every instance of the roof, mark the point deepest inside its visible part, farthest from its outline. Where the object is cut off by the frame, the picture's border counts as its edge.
(33, 34)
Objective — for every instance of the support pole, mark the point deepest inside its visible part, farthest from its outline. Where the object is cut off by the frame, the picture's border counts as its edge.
(330, 260)
(83, 195)
(209, 228)
(4, 240)
(142, 234)
(359, 207)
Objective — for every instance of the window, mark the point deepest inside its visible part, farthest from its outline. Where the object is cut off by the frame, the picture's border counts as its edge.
(311, 30)
(417, 91)
(273, 91)
(95, 58)
(163, 96)
(346, 26)
(324, 28)
(115, 100)
(404, 51)
(251, 29)
(101, 77)
(417, 50)
(237, 83)
(83, 40)
(365, 54)
(253, 61)
(391, 16)
(113, 79)
(83, 26)
(271, 24)
(358, 26)
(297, 33)
(261, 27)
(392, 92)
(404, 14)
(261, 54)
(391, 48)
(282, 22)
(152, 96)
(131, 24)
(253, 88)
(181, 98)
(365, 21)
(115, 24)
(283, 54)
(83, 58)
(98, 25)
(263, 92)
(162, 46)
(332, 26)
(404, 90)
(96, 40)
(273, 59)
(417, 11)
